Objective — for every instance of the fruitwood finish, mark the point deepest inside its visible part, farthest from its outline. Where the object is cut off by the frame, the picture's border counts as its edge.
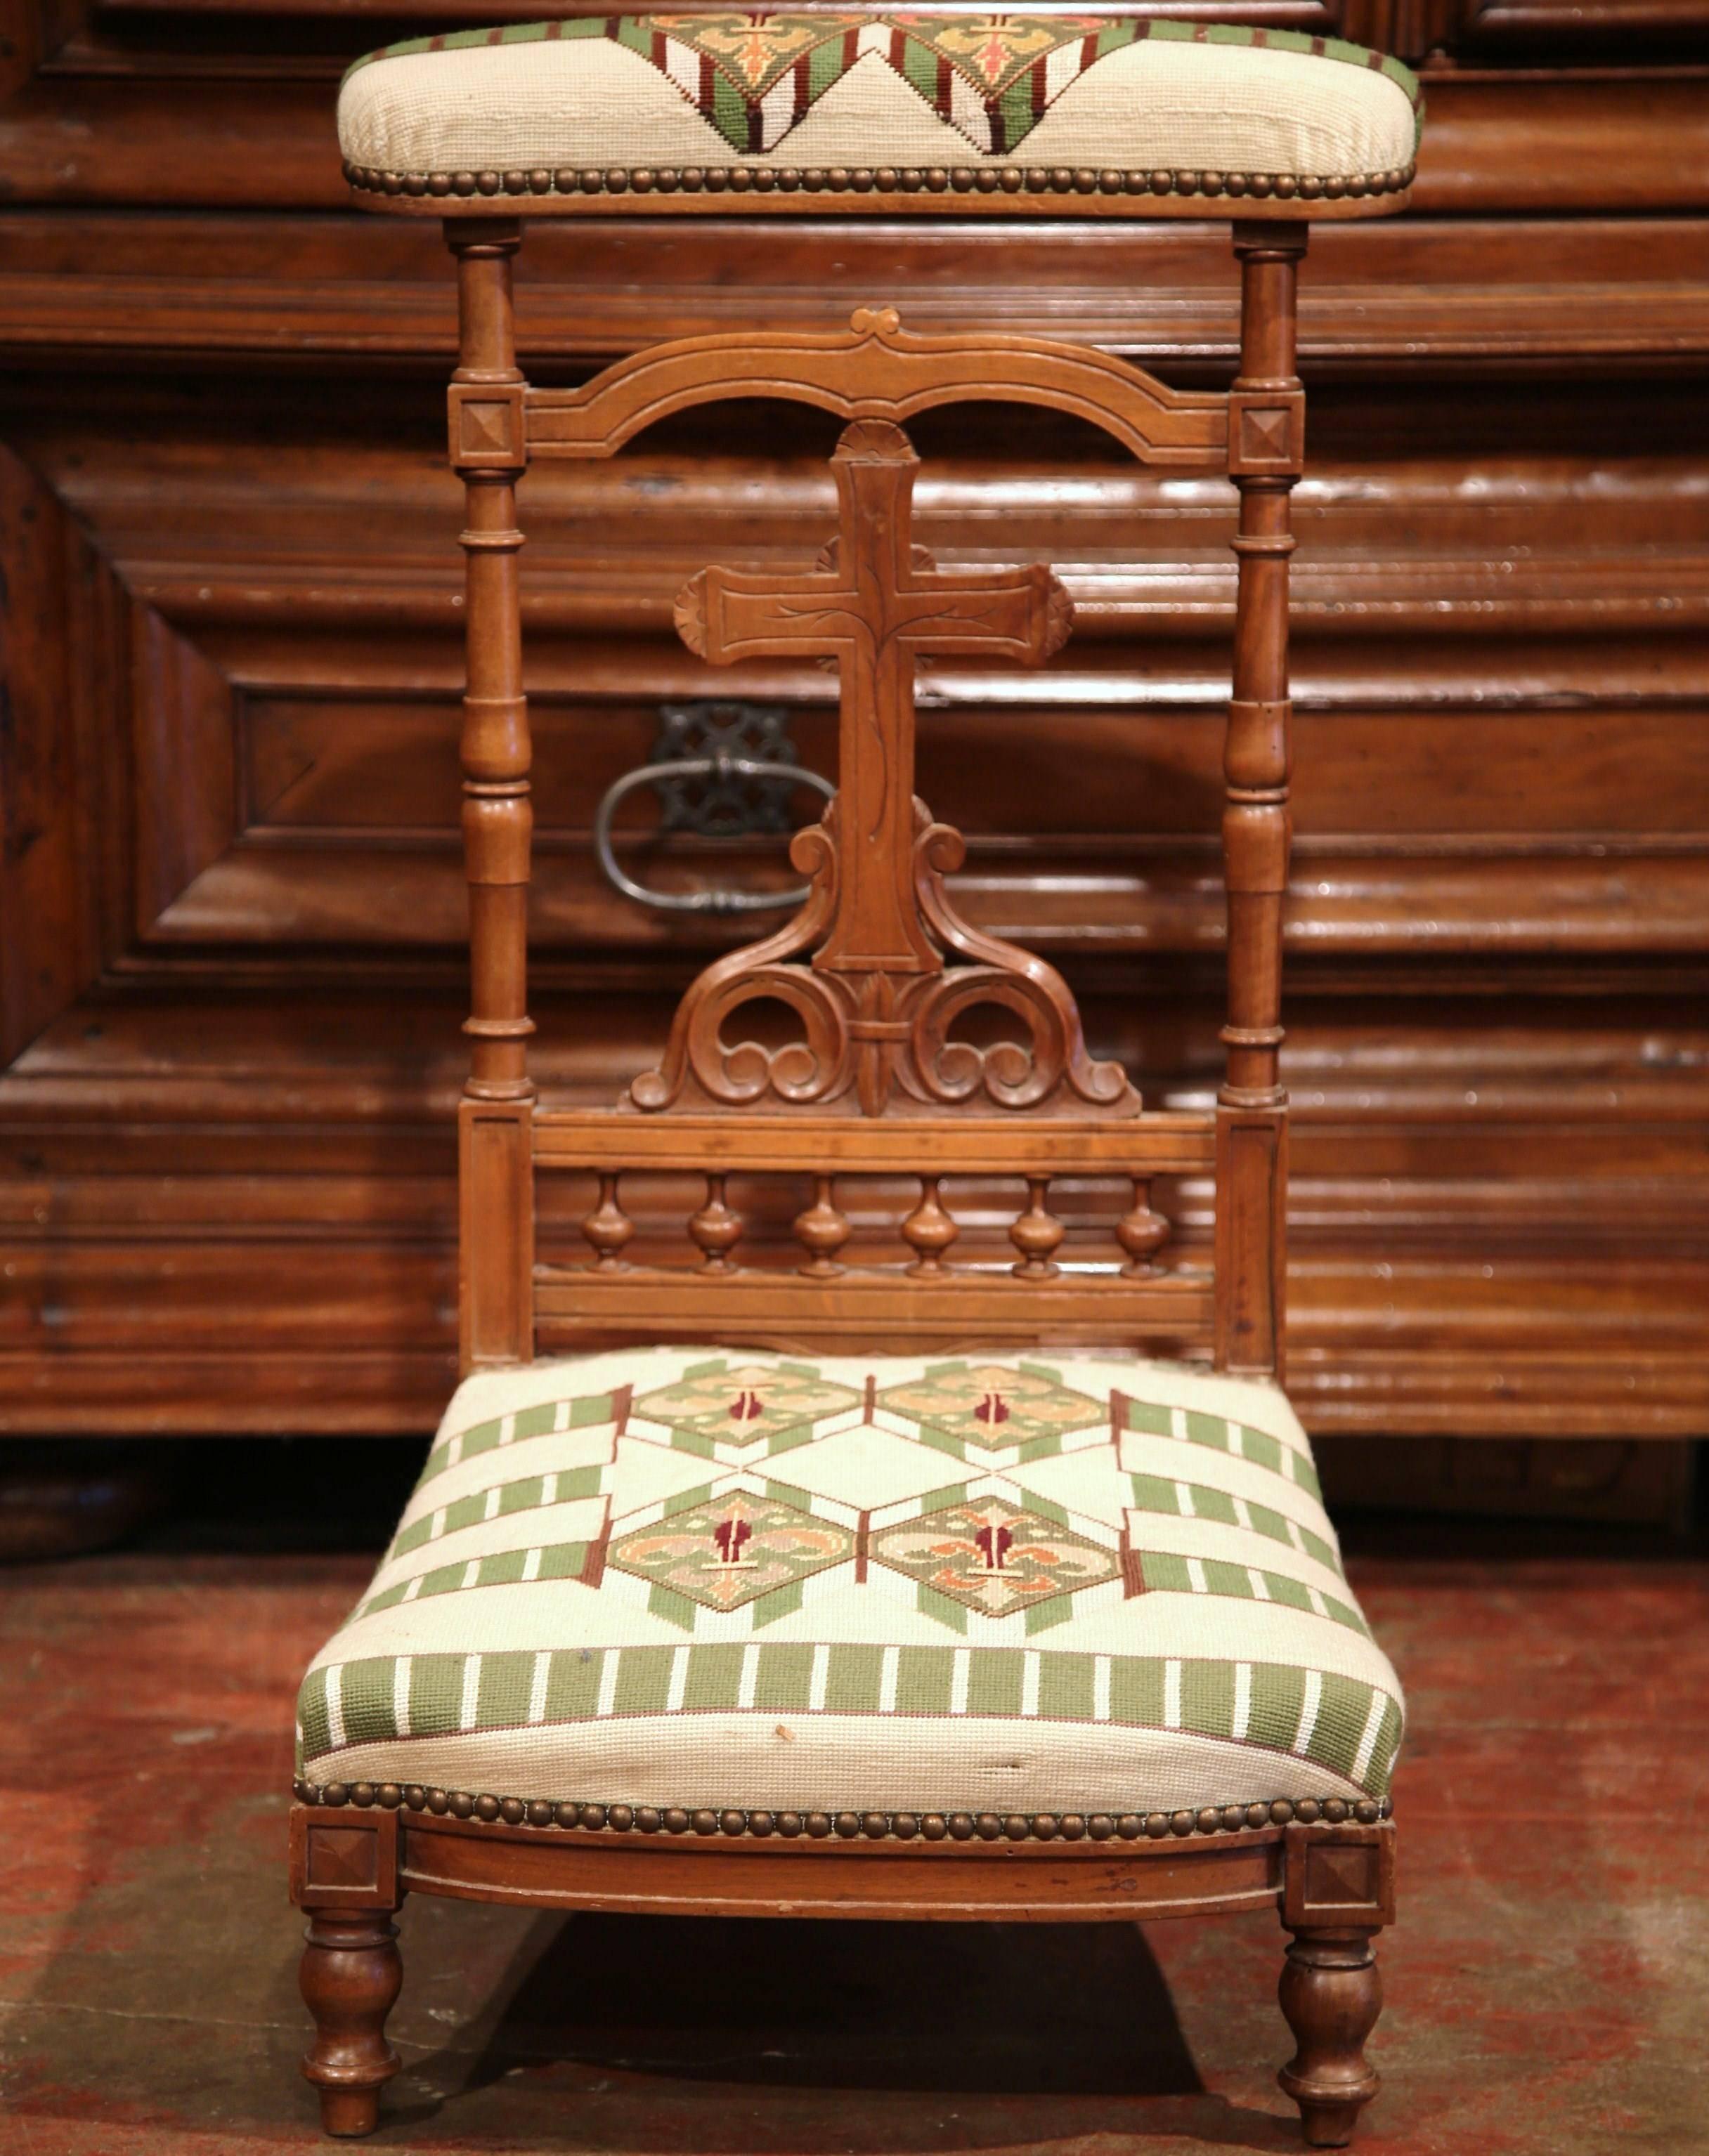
(228, 871)
(871, 1081)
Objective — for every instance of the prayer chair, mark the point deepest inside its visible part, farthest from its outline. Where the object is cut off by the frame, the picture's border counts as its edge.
(896, 1589)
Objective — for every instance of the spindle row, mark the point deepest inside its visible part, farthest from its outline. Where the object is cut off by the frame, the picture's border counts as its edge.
(929, 1230)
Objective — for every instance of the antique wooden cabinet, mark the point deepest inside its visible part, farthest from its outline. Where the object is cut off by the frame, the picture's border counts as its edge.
(230, 897)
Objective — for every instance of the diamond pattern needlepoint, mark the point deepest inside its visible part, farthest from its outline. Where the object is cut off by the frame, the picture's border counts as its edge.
(728, 1551)
(992, 1405)
(744, 1404)
(993, 1556)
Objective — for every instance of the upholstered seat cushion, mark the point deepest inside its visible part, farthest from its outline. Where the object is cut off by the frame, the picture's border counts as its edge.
(678, 104)
(669, 1577)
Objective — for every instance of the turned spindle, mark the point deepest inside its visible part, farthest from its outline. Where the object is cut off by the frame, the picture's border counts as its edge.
(350, 1977)
(715, 1228)
(1331, 1994)
(1141, 1233)
(822, 1231)
(608, 1227)
(1036, 1234)
(929, 1232)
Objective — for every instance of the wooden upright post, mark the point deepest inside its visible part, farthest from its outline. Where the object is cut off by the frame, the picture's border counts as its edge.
(1266, 449)
(489, 449)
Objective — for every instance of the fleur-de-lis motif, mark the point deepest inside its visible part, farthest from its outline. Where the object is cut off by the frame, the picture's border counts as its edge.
(994, 1542)
(729, 1537)
(992, 1409)
(747, 1407)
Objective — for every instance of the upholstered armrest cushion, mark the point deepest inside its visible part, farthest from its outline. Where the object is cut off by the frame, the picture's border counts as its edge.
(679, 107)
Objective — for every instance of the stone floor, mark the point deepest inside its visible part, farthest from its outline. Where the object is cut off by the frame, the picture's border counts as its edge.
(1549, 1982)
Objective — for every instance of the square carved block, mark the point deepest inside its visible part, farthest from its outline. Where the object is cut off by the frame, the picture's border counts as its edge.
(488, 430)
(1339, 1875)
(1266, 433)
(346, 1860)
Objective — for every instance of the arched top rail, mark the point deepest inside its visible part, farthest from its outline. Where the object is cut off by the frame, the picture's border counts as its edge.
(876, 370)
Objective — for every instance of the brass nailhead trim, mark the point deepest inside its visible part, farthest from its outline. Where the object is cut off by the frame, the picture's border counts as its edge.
(885, 179)
(847, 1825)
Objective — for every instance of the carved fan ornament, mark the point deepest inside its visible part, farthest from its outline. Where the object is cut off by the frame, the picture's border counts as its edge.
(864, 965)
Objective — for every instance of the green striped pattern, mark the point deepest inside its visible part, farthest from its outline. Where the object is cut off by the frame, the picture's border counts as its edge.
(1221, 1435)
(542, 1421)
(500, 1569)
(498, 1502)
(1337, 1722)
(1164, 1573)
(1196, 1500)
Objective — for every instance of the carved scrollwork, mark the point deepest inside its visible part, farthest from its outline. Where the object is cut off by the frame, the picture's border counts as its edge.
(865, 966)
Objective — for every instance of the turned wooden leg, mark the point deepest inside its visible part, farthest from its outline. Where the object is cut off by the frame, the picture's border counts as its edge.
(350, 1976)
(1331, 1994)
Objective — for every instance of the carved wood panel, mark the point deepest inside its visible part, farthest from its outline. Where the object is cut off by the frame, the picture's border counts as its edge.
(229, 878)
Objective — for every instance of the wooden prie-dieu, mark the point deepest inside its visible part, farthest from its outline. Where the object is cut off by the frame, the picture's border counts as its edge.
(874, 1074)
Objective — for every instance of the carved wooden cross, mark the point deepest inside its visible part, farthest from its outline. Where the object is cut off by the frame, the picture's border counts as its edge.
(875, 603)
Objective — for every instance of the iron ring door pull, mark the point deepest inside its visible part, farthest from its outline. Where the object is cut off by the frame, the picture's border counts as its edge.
(696, 767)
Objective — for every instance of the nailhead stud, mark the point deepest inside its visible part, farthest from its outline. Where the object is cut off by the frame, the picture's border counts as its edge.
(1281, 1812)
(818, 1825)
(1336, 1810)
(760, 1823)
(647, 1819)
(875, 1826)
(789, 1825)
(1045, 1827)
(564, 1815)
(462, 1805)
(415, 1797)
(592, 1816)
(1258, 1814)
(512, 1810)
(335, 1793)
(1130, 1826)
(1101, 1826)
(934, 1826)
(706, 1822)
(904, 1826)
(675, 1820)
(733, 1822)
(961, 1826)
(848, 1824)
(1180, 1823)
(988, 1826)
(1017, 1828)
(1157, 1824)
(1306, 1810)
(1209, 1819)
(362, 1793)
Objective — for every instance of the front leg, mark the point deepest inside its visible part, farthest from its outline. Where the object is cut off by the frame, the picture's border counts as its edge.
(351, 1975)
(1337, 1893)
(1331, 1993)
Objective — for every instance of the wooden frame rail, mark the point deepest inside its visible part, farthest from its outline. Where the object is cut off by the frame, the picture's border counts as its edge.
(880, 1084)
